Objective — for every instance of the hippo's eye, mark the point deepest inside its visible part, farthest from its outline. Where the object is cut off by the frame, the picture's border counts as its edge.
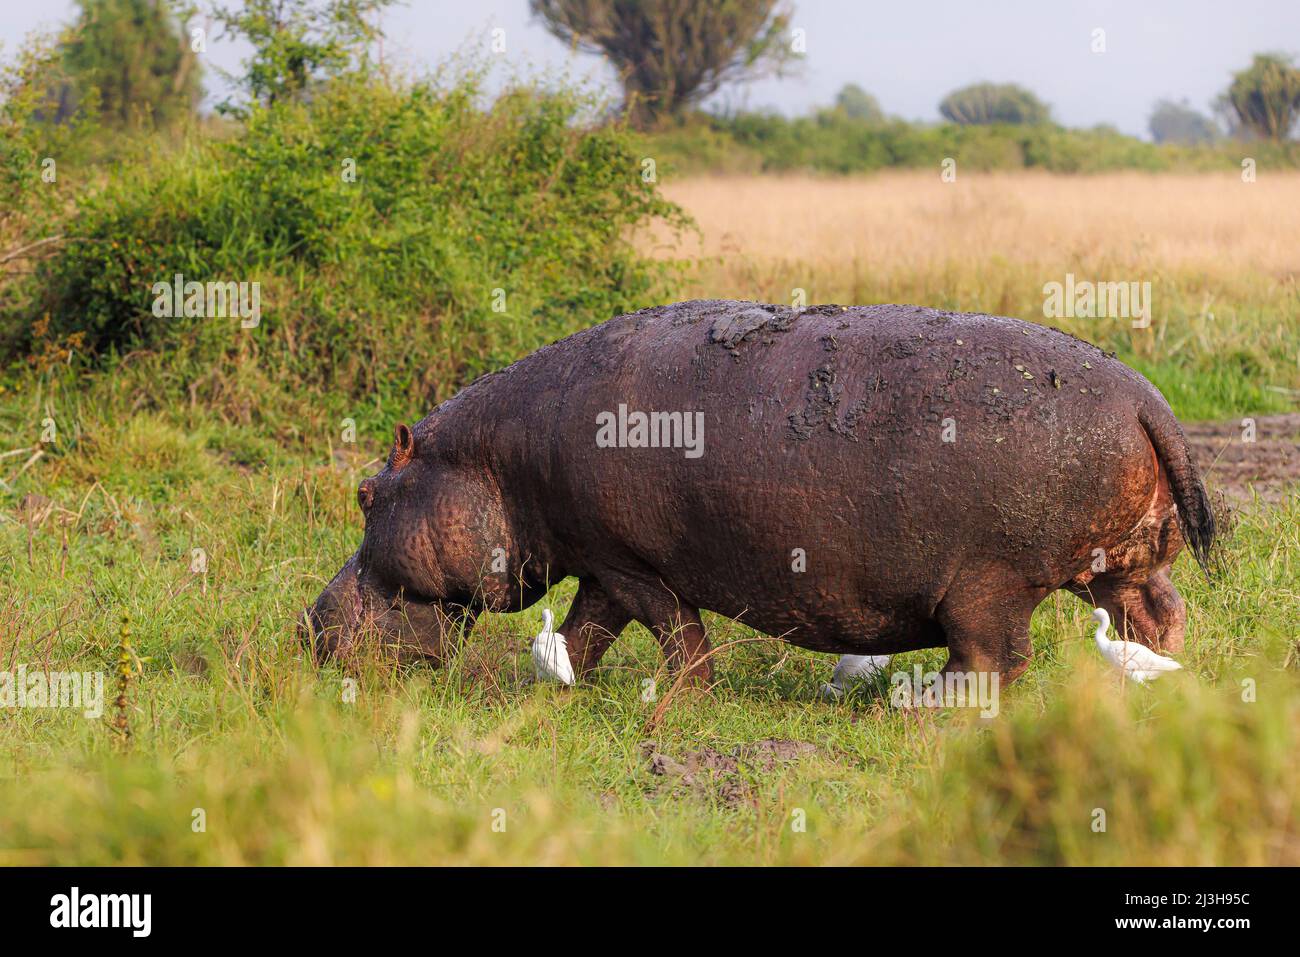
(365, 496)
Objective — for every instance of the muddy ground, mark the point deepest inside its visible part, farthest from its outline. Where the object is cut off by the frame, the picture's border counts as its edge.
(726, 776)
(1232, 461)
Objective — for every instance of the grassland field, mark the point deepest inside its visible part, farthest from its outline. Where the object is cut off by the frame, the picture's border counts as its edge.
(233, 728)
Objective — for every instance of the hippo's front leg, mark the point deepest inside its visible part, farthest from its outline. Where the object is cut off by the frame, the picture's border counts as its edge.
(594, 621)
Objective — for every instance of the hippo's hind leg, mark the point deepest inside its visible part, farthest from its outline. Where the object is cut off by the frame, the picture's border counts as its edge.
(1135, 587)
(594, 621)
(986, 622)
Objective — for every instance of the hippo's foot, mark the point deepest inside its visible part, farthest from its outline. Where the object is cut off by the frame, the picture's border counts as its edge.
(685, 646)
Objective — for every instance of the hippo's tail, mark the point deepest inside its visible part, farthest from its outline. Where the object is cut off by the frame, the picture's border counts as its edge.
(1195, 514)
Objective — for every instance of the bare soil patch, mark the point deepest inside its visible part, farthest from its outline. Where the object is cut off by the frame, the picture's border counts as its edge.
(1231, 464)
(725, 775)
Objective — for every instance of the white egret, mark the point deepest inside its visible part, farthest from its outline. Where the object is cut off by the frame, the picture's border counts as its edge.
(851, 668)
(551, 653)
(1138, 662)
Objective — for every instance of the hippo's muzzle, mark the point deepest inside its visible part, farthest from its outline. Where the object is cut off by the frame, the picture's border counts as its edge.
(351, 608)
(331, 624)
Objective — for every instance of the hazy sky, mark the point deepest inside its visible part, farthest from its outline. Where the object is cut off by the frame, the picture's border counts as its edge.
(908, 54)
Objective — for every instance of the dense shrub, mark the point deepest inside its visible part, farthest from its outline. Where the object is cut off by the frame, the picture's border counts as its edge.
(30, 187)
(469, 237)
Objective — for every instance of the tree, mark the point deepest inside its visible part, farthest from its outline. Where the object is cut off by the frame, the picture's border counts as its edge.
(1178, 123)
(984, 103)
(33, 84)
(136, 55)
(1266, 96)
(297, 43)
(856, 103)
(1225, 117)
(672, 53)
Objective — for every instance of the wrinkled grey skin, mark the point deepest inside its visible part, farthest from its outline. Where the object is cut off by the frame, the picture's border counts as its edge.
(824, 437)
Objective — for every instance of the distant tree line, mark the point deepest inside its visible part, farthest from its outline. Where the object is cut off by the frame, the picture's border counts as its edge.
(671, 54)
(1262, 102)
(132, 60)
(983, 103)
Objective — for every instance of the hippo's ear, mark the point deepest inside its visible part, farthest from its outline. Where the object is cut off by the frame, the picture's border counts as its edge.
(403, 446)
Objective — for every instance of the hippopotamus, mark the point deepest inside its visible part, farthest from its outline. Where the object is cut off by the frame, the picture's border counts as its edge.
(859, 480)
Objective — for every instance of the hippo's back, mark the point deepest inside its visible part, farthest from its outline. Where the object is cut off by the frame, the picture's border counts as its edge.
(876, 398)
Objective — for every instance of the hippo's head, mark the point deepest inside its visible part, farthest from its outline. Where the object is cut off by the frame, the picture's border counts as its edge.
(421, 573)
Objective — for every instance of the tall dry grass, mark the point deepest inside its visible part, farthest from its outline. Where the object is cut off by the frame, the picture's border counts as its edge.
(903, 221)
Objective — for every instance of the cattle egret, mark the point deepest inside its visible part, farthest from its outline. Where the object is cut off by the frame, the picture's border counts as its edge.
(550, 653)
(850, 668)
(1138, 662)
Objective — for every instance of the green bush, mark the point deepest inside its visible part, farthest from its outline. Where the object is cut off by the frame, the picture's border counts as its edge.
(468, 238)
(30, 185)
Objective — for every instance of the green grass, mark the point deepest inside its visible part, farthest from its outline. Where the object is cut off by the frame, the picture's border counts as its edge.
(228, 716)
